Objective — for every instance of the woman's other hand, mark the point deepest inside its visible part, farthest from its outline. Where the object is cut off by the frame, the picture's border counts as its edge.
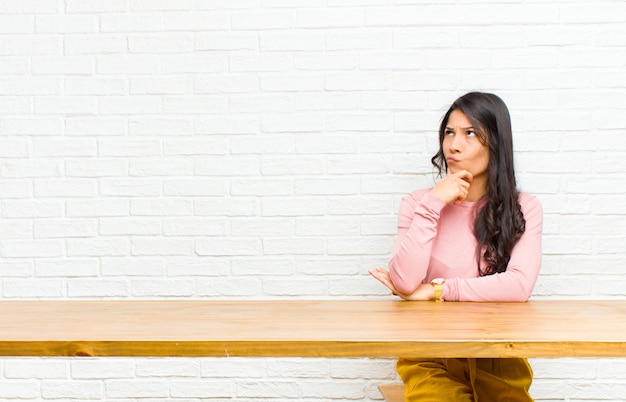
(424, 292)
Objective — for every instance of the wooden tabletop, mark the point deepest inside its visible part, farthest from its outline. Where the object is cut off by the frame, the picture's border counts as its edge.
(313, 328)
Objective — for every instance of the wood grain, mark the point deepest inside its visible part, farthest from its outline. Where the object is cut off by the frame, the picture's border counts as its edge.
(321, 328)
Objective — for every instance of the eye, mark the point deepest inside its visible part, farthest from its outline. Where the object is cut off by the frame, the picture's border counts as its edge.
(448, 133)
(471, 133)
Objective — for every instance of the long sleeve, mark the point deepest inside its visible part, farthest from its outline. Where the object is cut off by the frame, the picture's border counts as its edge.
(417, 229)
(518, 281)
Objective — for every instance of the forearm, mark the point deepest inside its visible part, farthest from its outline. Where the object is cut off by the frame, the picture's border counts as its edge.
(417, 231)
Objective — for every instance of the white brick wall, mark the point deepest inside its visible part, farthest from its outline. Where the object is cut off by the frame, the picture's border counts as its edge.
(259, 149)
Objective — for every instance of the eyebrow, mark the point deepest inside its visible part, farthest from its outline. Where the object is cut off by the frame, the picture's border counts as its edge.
(462, 128)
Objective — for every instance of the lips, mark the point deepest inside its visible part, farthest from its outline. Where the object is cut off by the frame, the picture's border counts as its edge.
(452, 160)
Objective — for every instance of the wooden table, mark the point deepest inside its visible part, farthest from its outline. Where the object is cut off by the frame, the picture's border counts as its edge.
(313, 328)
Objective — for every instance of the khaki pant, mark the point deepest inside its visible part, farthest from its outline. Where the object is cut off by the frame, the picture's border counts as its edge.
(466, 380)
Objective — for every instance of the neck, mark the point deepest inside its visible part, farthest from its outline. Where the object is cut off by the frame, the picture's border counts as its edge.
(477, 189)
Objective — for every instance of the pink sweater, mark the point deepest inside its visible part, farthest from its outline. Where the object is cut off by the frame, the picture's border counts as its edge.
(436, 240)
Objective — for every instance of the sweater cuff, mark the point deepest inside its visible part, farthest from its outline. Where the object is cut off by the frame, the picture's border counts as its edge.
(450, 291)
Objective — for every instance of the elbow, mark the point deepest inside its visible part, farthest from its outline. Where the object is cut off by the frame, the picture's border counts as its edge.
(523, 294)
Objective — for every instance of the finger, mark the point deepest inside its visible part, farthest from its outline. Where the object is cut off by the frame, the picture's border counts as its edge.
(465, 175)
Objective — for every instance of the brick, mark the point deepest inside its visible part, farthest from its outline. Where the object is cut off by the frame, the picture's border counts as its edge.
(195, 187)
(234, 367)
(333, 390)
(95, 126)
(55, 228)
(91, 86)
(97, 247)
(15, 45)
(127, 64)
(95, 6)
(32, 289)
(160, 85)
(70, 65)
(168, 368)
(197, 21)
(161, 207)
(261, 187)
(30, 86)
(227, 83)
(66, 24)
(295, 287)
(289, 83)
(226, 41)
(97, 288)
(136, 266)
(272, 19)
(129, 226)
(161, 167)
(160, 5)
(262, 266)
(16, 269)
(265, 144)
(78, 44)
(68, 268)
(225, 207)
(260, 103)
(14, 148)
(229, 287)
(96, 168)
(24, 369)
(334, 265)
(32, 248)
(292, 42)
(331, 186)
(195, 226)
(130, 187)
(291, 246)
(162, 287)
(360, 41)
(131, 22)
(307, 206)
(363, 81)
(20, 389)
(148, 246)
(233, 166)
(197, 267)
(101, 369)
(194, 63)
(344, 17)
(65, 105)
(104, 206)
(135, 389)
(196, 146)
(227, 246)
(326, 226)
(201, 389)
(260, 63)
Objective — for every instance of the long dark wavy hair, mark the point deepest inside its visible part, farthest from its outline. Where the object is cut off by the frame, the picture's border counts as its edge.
(499, 222)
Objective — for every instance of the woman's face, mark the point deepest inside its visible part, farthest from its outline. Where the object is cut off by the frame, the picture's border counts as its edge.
(463, 148)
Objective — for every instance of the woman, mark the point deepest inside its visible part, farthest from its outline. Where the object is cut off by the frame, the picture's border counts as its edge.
(472, 237)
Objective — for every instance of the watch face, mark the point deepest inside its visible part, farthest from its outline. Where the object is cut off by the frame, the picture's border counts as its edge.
(438, 281)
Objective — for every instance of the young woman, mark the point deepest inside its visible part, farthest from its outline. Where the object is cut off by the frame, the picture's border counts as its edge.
(472, 237)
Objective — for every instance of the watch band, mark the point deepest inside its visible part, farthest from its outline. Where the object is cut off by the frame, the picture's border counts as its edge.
(438, 287)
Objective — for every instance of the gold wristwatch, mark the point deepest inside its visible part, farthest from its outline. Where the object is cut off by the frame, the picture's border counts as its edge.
(438, 286)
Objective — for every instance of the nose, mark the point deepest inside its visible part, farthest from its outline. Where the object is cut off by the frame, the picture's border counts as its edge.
(454, 143)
